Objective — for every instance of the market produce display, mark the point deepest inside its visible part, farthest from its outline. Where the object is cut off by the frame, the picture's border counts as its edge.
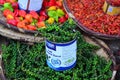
(25, 62)
(91, 15)
(52, 12)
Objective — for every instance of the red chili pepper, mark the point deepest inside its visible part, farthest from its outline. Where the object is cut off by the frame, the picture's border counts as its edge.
(66, 16)
(22, 13)
(29, 18)
(52, 3)
(21, 25)
(2, 2)
(41, 18)
(62, 19)
(12, 22)
(34, 14)
(11, 1)
(16, 12)
(59, 3)
(6, 12)
(90, 14)
(17, 19)
(43, 13)
(15, 5)
(31, 27)
(45, 3)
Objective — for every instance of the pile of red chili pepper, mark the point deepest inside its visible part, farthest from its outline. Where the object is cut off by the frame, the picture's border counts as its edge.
(52, 12)
(91, 15)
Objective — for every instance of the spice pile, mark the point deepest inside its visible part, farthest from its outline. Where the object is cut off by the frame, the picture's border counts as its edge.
(92, 16)
(52, 12)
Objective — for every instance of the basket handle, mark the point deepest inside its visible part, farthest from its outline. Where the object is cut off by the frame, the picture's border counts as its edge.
(2, 76)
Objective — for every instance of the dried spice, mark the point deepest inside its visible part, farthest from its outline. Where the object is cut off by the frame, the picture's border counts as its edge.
(92, 16)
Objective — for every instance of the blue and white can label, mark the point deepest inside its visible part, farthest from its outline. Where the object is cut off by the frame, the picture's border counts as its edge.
(30, 4)
(61, 56)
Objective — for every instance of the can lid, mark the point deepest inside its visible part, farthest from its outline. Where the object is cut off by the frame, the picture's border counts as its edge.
(114, 2)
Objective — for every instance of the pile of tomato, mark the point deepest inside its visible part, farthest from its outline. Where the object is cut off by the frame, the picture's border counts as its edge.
(92, 16)
(52, 12)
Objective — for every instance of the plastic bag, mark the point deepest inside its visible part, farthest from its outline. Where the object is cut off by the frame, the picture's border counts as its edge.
(28, 5)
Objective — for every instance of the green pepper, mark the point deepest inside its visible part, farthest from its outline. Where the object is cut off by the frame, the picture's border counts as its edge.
(7, 6)
(60, 12)
(53, 14)
(56, 14)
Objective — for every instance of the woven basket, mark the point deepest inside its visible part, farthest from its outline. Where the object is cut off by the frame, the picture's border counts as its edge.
(104, 50)
(16, 33)
(3, 22)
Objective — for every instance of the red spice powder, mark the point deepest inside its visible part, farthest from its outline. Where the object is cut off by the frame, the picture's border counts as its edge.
(92, 16)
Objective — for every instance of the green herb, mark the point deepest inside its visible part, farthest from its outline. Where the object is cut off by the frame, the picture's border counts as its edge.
(25, 62)
(60, 33)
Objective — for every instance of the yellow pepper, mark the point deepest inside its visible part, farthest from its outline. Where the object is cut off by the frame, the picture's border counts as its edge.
(50, 20)
(9, 16)
(52, 8)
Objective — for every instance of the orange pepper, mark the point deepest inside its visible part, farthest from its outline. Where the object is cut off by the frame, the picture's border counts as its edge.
(11, 1)
(28, 17)
(31, 27)
(9, 16)
(21, 25)
(40, 24)
(25, 21)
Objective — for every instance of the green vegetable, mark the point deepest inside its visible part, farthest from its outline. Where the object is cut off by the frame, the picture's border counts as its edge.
(53, 14)
(34, 21)
(7, 6)
(60, 12)
(56, 14)
(59, 33)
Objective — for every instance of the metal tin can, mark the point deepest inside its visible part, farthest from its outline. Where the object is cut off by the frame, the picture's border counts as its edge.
(111, 8)
(61, 56)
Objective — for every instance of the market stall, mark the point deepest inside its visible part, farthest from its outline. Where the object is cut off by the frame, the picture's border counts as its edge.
(20, 21)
